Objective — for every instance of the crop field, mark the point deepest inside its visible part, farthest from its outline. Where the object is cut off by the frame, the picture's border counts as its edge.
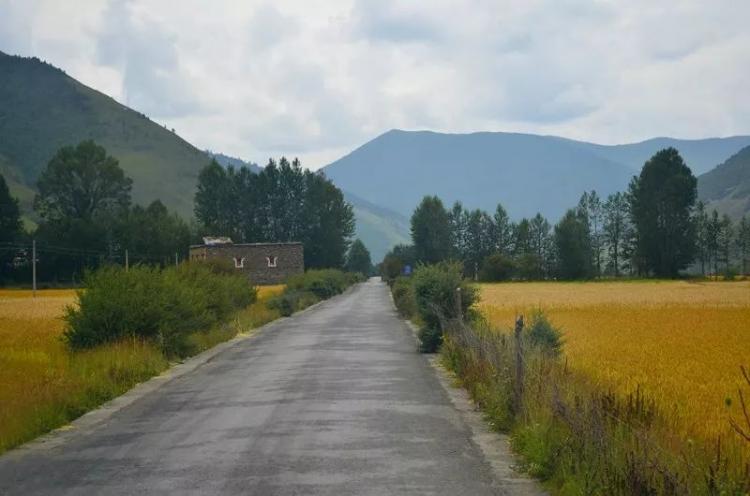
(681, 343)
(43, 385)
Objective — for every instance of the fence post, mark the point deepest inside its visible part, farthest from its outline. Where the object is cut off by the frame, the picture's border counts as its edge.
(518, 389)
(127, 261)
(459, 306)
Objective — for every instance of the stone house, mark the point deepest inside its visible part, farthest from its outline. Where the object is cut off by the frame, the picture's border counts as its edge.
(263, 263)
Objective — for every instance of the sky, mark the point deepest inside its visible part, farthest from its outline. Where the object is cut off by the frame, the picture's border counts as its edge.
(316, 79)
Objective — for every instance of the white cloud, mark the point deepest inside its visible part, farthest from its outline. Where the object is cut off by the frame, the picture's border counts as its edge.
(259, 79)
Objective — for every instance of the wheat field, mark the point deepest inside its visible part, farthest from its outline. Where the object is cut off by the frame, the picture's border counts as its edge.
(682, 343)
(43, 385)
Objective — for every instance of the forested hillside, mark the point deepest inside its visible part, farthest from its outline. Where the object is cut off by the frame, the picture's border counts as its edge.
(43, 109)
(727, 187)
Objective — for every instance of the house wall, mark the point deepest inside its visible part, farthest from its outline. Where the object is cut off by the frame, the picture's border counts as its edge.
(289, 259)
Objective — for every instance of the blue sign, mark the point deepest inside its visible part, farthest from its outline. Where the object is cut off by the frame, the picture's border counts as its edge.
(407, 270)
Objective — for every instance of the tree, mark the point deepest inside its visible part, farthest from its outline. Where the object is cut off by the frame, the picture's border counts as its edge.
(503, 231)
(281, 203)
(458, 219)
(10, 228)
(152, 234)
(615, 215)
(81, 182)
(479, 242)
(743, 243)
(592, 205)
(10, 214)
(431, 231)
(573, 246)
(540, 244)
(713, 232)
(358, 258)
(662, 198)
(702, 226)
(395, 261)
(726, 241)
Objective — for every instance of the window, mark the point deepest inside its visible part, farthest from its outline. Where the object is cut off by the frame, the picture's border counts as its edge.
(271, 261)
(239, 264)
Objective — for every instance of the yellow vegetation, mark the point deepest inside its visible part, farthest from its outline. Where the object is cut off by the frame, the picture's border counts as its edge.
(43, 385)
(681, 342)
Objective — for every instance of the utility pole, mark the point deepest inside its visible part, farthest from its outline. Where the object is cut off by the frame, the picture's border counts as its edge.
(127, 264)
(33, 268)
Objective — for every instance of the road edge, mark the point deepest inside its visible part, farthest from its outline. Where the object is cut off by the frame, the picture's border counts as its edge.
(494, 446)
(101, 414)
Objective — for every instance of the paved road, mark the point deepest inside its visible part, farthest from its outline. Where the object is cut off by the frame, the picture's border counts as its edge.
(332, 401)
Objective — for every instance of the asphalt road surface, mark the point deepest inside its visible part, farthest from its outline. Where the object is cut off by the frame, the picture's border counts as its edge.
(332, 401)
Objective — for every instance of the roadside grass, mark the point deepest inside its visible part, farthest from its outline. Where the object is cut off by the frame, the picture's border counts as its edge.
(44, 385)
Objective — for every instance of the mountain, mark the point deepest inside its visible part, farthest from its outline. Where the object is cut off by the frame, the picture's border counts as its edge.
(701, 155)
(727, 187)
(525, 172)
(379, 228)
(227, 161)
(43, 109)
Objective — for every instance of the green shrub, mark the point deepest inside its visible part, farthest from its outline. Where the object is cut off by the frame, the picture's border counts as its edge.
(403, 296)
(435, 296)
(160, 305)
(497, 267)
(543, 335)
(323, 283)
(303, 290)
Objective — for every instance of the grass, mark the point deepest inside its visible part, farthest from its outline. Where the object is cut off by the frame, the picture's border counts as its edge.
(43, 385)
(679, 343)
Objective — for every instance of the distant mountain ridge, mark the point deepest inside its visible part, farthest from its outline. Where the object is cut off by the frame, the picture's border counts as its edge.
(226, 161)
(727, 187)
(43, 109)
(525, 172)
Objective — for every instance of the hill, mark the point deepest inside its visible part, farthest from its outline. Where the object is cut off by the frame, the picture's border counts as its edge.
(701, 155)
(379, 228)
(226, 161)
(526, 173)
(43, 109)
(727, 187)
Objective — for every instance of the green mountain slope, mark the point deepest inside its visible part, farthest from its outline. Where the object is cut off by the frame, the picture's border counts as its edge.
(42, 109)
(727, 187)
(380, 229)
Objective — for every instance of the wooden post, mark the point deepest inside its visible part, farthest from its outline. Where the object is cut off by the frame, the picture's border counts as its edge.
(176, 260)
(518, 389)
(459, 306)
(33, 268)
(127, 261)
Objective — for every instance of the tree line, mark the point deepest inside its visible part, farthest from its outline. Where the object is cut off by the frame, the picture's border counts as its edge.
(86, 217)
(282, 202)
(654, 228)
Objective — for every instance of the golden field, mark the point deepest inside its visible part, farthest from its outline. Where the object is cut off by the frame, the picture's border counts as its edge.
(682, 343)
(43, 385)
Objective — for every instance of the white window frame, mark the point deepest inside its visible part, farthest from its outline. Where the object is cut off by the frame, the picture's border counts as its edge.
(272, 261)
(240, 264)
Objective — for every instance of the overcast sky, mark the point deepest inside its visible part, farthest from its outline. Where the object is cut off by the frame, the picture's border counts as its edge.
(317, 79)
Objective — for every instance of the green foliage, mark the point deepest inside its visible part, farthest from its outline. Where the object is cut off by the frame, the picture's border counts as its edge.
(10, 215)
(303, 290)
(573, 246)
(497, 267)
(160, 305)
(403, 296)
(358, 259)
(541, 334)
(435, 296)
(82, 182)
(395, 261)
(283, 202)
(661, 202)
(431, 231)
